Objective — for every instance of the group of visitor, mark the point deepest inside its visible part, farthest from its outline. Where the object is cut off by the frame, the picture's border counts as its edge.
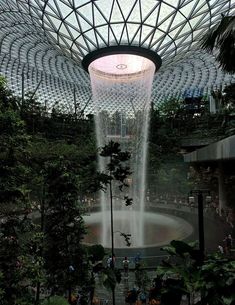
(125, 263)
(154, 295)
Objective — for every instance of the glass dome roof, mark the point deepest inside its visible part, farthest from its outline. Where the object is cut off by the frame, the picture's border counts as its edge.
(43, 42)
(165, 26)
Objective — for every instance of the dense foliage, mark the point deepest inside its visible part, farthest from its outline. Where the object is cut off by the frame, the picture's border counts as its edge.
(207, 282)
(47, 166)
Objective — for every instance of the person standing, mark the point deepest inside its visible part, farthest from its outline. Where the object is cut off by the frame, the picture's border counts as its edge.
(125, 264)
(109, 261)
(220, 249)
(137, 260)
(143, 297)
(228, 243)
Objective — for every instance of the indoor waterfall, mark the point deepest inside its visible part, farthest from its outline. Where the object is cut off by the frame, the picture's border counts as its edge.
(121, 88)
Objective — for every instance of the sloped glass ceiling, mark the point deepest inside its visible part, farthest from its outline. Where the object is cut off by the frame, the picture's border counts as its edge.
(44, 42)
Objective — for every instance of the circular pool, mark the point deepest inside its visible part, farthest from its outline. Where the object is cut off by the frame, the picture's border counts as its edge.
(158, 229)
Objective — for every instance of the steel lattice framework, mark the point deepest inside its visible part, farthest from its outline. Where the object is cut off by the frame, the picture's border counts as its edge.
(43, 43)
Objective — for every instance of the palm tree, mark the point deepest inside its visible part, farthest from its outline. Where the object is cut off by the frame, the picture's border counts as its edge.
(222, 38)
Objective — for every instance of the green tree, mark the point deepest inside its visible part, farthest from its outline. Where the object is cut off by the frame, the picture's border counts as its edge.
(46, 151)
(14, 197)
(116, 172)
(64, 227)
(222, 38)
(32, 186)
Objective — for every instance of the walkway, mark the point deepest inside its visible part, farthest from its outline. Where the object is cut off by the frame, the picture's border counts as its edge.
(105, 297)
(126, 284)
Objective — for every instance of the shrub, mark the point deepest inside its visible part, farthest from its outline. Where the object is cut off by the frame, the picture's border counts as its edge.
(55, 300)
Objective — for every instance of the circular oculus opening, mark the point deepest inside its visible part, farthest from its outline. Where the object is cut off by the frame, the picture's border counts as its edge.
(121, 65)
(129, 59)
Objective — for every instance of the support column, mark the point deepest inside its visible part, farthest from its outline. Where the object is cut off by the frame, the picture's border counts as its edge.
(221, 191)
(201, 226)
(212, 104)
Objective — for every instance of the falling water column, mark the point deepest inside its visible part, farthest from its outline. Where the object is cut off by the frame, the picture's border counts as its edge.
(121, 88)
